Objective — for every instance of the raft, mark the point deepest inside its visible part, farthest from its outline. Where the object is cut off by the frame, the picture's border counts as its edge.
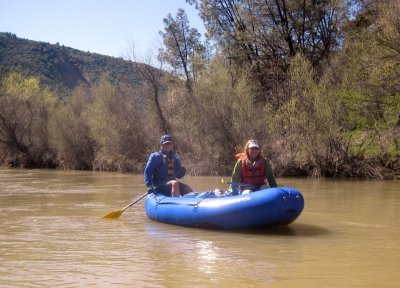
(267, 207)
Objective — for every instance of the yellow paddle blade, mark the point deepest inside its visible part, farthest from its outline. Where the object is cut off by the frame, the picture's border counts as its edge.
(118, 213)
(114, 214)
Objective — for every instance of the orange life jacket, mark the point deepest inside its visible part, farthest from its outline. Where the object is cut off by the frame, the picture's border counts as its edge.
(253, 172)
(170, 165)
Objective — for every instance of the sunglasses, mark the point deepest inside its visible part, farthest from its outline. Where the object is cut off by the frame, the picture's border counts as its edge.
(254, 148)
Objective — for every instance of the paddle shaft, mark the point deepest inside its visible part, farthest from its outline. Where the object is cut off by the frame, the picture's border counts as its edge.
(238, 184)
(134, 202)
(116, 214)
(141, 197)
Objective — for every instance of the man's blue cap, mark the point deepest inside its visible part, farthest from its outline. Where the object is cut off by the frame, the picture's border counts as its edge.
(165, 139)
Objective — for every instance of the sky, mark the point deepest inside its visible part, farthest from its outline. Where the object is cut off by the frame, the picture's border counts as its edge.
(107, 27)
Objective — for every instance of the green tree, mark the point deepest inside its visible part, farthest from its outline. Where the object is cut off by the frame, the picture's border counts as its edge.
(24, 112)
(116, 126)
(388, 28)
(182, 46)
(265, 34)
(220, 118)
(69, 130)
(152, 89)
(184, 53)
(369, 80)
(307, 127)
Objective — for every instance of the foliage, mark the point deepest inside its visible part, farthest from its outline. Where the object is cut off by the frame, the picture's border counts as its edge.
(69, 131)
(265, 35)
(116, 127)
(319, 91)
(370, 70)
(308, 123)
(24, 114)
(229, 111)
(182, 45)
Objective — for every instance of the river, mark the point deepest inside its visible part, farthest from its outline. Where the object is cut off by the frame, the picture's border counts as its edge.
(52, 235)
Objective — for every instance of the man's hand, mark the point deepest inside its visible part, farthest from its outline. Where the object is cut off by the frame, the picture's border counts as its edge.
(181, 173)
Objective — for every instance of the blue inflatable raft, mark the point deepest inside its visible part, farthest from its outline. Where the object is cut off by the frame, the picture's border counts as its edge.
(273, 206)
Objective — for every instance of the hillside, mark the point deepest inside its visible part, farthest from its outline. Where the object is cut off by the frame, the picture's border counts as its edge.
(62, 68)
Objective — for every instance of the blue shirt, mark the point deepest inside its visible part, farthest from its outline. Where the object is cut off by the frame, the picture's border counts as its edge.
(156, 170)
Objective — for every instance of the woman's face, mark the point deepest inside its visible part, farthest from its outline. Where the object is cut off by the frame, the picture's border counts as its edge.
(253, 152)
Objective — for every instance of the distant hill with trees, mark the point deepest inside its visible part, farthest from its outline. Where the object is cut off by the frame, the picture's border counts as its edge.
(62, 68)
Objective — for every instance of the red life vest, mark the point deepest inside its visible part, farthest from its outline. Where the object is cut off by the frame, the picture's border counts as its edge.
(253, 172)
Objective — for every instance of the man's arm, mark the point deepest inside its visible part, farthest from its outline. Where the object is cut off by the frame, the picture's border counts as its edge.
(148, 171)
(269, 175)
(179, 170)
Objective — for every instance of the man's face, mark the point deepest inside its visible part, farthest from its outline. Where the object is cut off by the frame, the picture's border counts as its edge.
(167, 147)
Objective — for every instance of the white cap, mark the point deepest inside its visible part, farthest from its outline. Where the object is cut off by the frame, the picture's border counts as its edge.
(254, 144)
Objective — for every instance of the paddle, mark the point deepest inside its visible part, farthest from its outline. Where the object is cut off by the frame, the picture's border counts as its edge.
(116, 214)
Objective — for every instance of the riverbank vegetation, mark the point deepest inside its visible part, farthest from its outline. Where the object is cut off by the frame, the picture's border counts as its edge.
(316, 82)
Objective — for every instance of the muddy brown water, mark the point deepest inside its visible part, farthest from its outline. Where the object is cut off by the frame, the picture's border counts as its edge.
(52, 235)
